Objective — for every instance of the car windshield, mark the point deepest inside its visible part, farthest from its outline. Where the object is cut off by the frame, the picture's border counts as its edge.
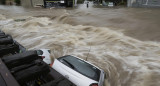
(81, 66)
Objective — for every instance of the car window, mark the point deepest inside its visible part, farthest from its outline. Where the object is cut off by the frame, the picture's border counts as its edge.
(39, 52)
(81, 67)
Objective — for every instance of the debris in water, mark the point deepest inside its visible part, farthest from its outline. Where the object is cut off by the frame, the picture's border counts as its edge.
(19, 20)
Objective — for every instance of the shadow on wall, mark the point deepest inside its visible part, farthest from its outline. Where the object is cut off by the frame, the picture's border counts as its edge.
(2, 1)
(10, 2)
(18, 2)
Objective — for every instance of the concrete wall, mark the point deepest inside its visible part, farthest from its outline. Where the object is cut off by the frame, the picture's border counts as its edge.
(31, 3)
(35, 2)
(151, 3)
(26, 3)
(143, 3)
(10, 2)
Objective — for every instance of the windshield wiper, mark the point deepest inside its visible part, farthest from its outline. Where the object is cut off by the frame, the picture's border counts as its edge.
(69, 64)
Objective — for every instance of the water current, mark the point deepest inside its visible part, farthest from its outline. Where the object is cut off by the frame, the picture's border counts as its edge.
(126, 60)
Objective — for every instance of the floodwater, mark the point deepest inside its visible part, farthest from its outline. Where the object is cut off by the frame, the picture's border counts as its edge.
(122, 41)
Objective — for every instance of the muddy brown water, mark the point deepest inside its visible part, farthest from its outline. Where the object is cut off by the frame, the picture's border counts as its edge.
(122, 41)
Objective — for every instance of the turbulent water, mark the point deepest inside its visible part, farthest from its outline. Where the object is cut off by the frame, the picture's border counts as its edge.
(126, 61)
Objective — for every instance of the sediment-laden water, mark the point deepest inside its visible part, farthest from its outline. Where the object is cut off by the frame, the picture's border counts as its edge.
(126, 61)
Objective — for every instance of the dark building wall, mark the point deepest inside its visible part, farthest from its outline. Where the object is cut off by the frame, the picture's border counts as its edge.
(2, 1)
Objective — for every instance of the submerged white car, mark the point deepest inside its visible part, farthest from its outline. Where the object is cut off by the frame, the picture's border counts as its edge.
(110, 4)
(79, 71)
(45, 53)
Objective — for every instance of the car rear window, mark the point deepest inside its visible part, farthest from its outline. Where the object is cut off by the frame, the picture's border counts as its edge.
(81, 66)
(39, 52)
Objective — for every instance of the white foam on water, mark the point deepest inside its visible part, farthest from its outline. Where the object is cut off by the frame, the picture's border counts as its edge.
(126, 61)
(2, 17)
